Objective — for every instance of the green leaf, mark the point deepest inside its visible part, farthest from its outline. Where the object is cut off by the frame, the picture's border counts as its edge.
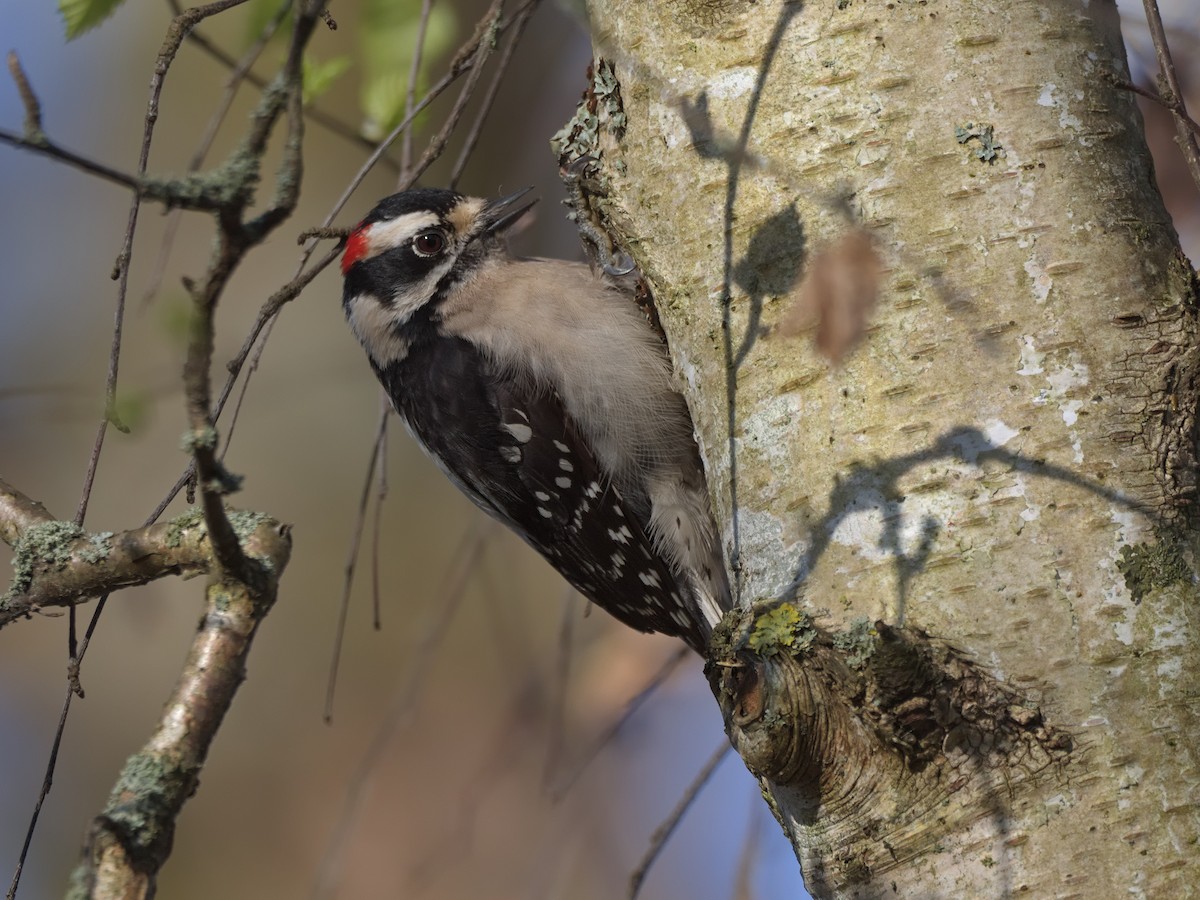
(389, 30)
(320, 76)
(80, 16)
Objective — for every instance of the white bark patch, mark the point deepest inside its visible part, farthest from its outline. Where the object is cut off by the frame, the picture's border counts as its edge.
(998, 434)
(1052, 97)
(1040, 280)
(1031, 358)
(1062, 381)
(733, 84)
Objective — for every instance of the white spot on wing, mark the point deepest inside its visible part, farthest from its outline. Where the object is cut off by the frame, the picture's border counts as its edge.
(562, 481)
(620, 535)
(521, 432)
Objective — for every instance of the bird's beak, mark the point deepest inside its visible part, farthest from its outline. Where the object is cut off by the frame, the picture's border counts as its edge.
(498, 215)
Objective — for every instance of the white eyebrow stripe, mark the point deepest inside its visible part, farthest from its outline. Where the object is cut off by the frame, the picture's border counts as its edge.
(383, 236)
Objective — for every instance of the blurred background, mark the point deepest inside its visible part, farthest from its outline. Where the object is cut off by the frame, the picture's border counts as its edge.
(454, 765)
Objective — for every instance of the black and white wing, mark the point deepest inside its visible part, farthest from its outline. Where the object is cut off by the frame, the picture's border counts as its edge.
(512, 448)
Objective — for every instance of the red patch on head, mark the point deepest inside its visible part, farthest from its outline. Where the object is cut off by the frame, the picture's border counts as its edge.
(356, 247)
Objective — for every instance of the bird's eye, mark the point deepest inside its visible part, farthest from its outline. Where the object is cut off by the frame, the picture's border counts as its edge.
(428, 243)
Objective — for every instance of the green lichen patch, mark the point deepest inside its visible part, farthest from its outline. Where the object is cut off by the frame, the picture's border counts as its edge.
(858, 642)
(1150, 566)
(47, 546)
(783, 629)
(986, 148)
(97, 547)
(182, 523)
(205, 438)
(602, 107)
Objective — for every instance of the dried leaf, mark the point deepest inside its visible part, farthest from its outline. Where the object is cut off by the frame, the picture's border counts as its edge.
(836, 296)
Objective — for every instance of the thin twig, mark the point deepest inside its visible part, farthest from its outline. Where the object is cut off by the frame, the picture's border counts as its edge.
(743, 882)
(410, 95)
(463, 62)
(663, 833)
(501, 755)
(236, 76)
(35, 138)
(329, 122)
(520, 20)
(1185, 137)
(381, 479)
(46, 147)
(33, 108)
(360, 519)
(486, 34)
(47, 783)
(1176, 108)
(558, 691)
(403, 706)
(656, 681)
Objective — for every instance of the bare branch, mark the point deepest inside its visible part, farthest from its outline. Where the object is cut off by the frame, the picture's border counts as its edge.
(35, 138)
(381, 479)
(234, 239)
(556, 727)
(658, 680)
(664, 831)
(1178, 108)
(33, 109)
(411, 93)
(449, 597)
(325, 120)
(520, 20)
(485, 39)
(237, 75)
(1185, 136)
(339, 634)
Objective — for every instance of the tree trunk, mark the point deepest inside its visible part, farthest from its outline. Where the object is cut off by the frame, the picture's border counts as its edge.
(985, 518)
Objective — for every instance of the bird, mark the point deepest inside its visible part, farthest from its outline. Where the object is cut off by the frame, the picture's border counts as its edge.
(545, 395)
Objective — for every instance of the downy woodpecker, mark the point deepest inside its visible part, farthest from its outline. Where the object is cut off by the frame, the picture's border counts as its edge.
(543, 393)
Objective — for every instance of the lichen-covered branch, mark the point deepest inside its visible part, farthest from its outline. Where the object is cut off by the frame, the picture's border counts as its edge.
(131, 839)
(56, 563)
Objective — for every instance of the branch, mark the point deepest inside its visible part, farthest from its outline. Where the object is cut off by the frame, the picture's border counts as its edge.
(18, 514)
(234, 240)
(35, 138)
(59, 564)
(131, 839)
(1174, 93)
